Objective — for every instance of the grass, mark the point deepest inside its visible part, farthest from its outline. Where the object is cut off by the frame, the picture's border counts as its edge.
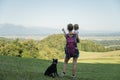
(90, 66)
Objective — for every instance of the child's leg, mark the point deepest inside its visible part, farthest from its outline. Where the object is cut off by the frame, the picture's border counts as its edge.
(74, 66)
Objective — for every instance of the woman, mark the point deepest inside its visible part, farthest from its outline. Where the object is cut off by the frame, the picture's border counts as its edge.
(71, 50)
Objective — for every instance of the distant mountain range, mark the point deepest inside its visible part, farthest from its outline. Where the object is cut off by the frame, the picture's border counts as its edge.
(11, 29)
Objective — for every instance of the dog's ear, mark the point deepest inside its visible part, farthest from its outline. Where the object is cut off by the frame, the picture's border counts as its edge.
(53, 59)
(56, 60)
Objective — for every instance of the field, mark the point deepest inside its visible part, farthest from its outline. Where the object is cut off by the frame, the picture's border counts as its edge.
(91, 66)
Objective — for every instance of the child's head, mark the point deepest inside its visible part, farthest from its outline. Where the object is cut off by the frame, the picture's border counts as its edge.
(76, 26)
(70, 27)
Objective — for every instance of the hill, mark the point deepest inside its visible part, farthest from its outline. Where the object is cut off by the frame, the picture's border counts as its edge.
(58, 41)
(48, 48)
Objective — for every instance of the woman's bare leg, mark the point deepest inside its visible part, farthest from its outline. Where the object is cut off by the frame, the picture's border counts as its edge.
(65, 64)
(74, 66)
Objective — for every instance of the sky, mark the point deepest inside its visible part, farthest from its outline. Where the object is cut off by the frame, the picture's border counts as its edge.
(89, 14)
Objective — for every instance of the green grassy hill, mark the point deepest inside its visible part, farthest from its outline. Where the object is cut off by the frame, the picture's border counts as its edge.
(53, 46)
(48, 48)
(58, 41)
(90, 66)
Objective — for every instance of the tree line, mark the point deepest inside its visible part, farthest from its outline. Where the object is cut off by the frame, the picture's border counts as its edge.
(50, 47)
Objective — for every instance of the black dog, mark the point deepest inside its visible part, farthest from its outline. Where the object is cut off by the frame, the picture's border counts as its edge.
(52, 69)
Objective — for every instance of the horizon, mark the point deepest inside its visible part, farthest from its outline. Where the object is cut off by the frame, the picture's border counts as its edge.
(81, 30)
(92, 15)
(41, 27)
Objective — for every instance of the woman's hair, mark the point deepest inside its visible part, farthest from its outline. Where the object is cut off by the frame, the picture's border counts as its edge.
(70, 27)
(76, 26)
